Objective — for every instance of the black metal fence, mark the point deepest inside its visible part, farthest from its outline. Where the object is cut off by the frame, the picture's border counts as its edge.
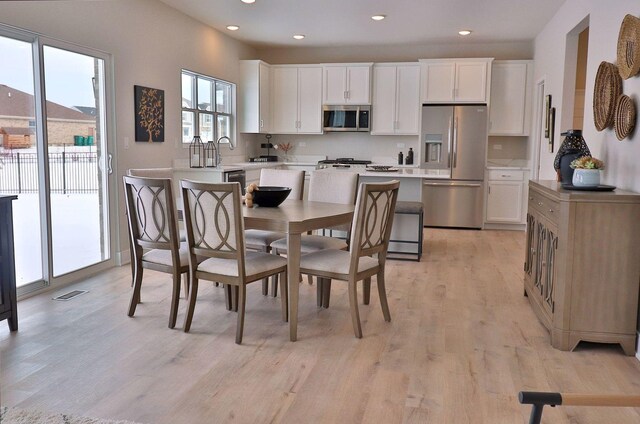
(70, 172)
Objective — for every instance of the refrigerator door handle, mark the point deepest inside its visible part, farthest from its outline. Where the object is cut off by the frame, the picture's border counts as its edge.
(449, 144)
(455, 142)
(451, 185)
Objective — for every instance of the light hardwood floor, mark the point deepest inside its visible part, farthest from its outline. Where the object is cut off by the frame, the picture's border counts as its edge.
(462, 342)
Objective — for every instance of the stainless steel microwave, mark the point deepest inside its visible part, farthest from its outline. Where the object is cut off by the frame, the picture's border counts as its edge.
(346, 118)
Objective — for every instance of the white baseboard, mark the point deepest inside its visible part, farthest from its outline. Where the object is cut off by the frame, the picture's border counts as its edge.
(123, 258)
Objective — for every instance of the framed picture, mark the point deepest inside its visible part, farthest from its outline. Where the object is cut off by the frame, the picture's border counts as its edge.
(547, 116)
(149, 109)
(552, 124)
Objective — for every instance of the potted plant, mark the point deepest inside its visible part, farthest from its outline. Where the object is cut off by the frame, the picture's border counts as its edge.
(586, 171)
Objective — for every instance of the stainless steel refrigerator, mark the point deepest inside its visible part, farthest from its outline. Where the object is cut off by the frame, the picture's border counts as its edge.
(454, 138)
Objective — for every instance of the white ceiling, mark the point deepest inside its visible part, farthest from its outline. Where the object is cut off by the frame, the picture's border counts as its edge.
(348, 22)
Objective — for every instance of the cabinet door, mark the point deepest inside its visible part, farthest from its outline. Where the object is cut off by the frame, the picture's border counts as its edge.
(310, 100)
(264, 122)
(471, 82)
(408, 100)
(504, 202)
(335, 85)
(359, 85)
(508, 97)
(383, 113)
(284, 100)
(438, 82)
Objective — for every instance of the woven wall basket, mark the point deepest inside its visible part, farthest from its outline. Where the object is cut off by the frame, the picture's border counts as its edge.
(606, 90)
(625, 119)
(629, 47)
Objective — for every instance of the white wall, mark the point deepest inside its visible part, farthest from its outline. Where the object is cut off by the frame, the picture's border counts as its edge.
(621, 158)
(150, 43)
(396, 53)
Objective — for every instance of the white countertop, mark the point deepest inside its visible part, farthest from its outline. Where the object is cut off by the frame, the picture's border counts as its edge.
(400, 173)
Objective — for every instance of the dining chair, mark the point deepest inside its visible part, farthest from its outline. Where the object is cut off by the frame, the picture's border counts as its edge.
(153, 233)
(215, 231)
(261, 240)
(371, 227)
(328, 187)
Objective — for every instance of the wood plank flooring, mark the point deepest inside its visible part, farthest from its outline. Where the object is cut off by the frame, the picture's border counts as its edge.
(462, 342)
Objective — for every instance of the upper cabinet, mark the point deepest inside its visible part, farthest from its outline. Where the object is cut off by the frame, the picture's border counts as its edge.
(455, 80)
(254, 97)
(509, 112)
(346, 84)
(296, 93)
(396, 99)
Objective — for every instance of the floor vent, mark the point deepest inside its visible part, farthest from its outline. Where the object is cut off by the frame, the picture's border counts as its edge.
(70, 295)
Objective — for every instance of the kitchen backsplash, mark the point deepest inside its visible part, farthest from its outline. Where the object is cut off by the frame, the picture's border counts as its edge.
(507, 148)
(334, 145)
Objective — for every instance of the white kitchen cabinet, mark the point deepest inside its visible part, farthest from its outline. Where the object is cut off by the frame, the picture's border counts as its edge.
(455, 80)
(506, 200)
(296, 99)
(347, 84)
(396, 99)
(509, 113)
(254, 95)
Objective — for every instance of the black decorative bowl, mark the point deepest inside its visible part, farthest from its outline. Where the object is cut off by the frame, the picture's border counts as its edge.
(270, 196)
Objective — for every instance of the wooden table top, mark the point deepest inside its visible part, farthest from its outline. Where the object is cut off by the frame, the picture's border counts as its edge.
(297, 216)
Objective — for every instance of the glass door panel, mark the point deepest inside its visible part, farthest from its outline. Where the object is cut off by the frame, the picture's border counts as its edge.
(74, 92)
(19, 155)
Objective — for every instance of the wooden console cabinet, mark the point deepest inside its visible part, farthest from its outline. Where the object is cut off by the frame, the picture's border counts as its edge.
(582, 272)
(8, 298)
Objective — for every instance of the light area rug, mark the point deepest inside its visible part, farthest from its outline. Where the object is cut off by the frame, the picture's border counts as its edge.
(28, 416)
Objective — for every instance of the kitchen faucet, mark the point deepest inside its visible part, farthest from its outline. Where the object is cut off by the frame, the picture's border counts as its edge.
(218, 160)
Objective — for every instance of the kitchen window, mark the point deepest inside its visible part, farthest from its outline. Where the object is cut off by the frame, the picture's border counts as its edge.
(207, 107)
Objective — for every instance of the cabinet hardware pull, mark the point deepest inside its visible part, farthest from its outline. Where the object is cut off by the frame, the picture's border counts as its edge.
(539, 203)
(530, 198)
(551, 210)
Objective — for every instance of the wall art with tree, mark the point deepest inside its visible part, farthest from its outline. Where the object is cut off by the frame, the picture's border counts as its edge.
(149, 109)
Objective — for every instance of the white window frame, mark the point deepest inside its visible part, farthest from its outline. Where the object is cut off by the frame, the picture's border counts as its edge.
(213, 113)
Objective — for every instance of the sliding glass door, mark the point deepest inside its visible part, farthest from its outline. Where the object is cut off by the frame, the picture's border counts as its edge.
(60, 168)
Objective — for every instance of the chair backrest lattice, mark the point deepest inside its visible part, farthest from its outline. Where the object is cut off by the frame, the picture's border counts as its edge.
(372, 219)
(152, 222)
(214, 221)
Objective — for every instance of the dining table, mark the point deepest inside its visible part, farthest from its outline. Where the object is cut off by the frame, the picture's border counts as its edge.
(296, 217)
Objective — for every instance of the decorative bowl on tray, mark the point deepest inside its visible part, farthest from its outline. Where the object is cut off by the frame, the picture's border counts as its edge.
(270, 196)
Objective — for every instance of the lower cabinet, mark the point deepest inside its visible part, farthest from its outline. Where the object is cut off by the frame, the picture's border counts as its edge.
(580, 273)
(506, 200)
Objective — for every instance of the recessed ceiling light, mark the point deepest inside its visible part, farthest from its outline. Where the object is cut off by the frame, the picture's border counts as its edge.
(248, 1)
(298, 36)
(233, 27)
(378, 17)
(464, 32)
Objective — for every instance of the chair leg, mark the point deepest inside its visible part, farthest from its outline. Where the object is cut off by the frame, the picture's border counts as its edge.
(192, 304)
(185, 283)
(175, 299)
(227, 297)
(326, 292)
(137, 283)
(274, 285)
(234, 298)
(366, 290)
(284, 295)
(242, 295)
(310, 279)
(265, 281)
(382, 293)
(353, 305)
